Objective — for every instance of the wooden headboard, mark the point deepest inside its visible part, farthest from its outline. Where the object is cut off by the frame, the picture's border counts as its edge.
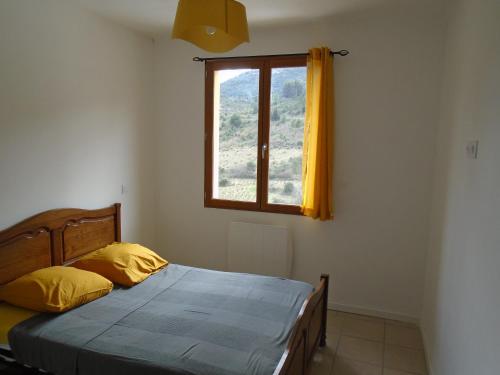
(56, 237)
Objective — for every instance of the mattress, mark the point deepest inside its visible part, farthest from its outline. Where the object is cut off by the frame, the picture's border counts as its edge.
(9, 317)
(182, 320)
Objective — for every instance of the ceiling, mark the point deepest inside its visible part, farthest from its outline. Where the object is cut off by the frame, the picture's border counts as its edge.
(155, 17)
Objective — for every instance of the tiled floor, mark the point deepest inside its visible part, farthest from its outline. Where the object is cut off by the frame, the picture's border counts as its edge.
(363, 345)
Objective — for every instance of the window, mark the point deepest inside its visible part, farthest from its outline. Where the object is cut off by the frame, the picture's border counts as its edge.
(254, 123)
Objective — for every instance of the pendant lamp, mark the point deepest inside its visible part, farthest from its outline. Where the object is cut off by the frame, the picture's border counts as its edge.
(213, 25)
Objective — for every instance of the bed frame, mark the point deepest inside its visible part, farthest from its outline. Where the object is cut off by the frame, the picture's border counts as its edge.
(58, 237)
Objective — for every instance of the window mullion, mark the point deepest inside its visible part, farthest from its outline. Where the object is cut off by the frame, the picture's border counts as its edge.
(264, 133)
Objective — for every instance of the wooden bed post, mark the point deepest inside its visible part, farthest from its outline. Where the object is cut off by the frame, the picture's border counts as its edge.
(118, 222)
(308, 333)
(322, 341)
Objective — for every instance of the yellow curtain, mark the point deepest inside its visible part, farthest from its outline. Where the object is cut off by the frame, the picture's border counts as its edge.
(317, 162)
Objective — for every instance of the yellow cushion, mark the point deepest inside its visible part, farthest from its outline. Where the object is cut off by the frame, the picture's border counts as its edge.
(55, 289)
(10, 316)
(122, 263)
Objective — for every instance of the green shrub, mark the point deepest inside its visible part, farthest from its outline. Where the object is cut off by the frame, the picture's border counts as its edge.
(251, 166)
(275, 116)
(295, 165)
(224, 182)
(241, 171)
(288, 188)
(297, 123)
(235, 120)
(293, 89)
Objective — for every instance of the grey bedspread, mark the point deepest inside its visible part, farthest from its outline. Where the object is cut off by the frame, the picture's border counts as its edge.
(181, 320)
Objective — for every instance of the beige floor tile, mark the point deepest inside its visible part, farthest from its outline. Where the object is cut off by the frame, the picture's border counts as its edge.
(403, 336)
(401, 323)
(361, 350)
(365, 329)
(320, 369)
(404, 359)
(388, 371)
(322, 361)
(331, 346)
(332, 341)
(345, 366)
(333, 322)
(361, 317)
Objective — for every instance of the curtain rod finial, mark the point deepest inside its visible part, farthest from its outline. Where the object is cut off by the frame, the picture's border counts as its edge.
(343, 52)
(196, 58)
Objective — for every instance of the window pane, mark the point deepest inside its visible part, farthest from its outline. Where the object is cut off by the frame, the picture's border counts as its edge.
(286, 135)
(235, 134)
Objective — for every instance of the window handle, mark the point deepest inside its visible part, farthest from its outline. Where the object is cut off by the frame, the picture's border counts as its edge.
(264, 149)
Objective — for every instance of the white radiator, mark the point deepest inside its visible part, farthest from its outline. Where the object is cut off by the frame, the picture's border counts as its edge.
(260, 249)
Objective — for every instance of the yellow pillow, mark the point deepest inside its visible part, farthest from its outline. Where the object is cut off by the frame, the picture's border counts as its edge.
(55, 289)
(122, 263)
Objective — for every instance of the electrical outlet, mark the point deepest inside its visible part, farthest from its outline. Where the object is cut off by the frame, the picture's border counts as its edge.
(471, 149)
(124, 189)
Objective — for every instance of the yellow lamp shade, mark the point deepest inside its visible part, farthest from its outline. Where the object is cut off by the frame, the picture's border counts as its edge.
(213, 25)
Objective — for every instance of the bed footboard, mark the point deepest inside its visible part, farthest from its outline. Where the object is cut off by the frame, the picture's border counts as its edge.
(308, 333)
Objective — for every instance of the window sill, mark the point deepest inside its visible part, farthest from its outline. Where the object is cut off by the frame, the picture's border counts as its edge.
(250, 206)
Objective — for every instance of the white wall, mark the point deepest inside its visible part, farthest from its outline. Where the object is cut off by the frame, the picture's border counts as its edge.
(75, 114)
(461, 319)
(387, 94)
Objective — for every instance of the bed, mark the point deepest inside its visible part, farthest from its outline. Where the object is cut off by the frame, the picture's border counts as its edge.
(182, 320)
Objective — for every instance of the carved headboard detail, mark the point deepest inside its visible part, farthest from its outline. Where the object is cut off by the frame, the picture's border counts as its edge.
(79, 237)
(56, 237)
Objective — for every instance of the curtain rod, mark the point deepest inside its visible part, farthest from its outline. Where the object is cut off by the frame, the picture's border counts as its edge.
(342, 52)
